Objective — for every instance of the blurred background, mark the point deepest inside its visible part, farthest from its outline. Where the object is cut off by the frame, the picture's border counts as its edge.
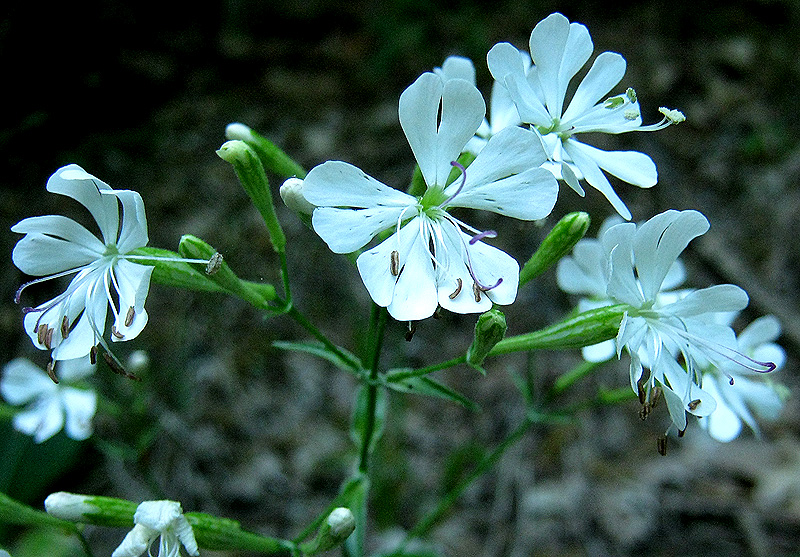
(139, 93)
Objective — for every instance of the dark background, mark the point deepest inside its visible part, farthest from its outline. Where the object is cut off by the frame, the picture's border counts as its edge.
(139, 94)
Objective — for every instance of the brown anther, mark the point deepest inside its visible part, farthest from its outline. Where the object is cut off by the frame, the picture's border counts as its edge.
(41, 333)
(682, 432)
(93, 355)
(65, 327)
(214, 263)
(51, 371)
(640, 389)
(116, 333)
(412, 328)
(394, 264)
(129, 316)
(655, 396)
(48, 338)
(457, 291)
(694, 404)
(476, 290)
(662, 445)
(644, 411)
(117, 368)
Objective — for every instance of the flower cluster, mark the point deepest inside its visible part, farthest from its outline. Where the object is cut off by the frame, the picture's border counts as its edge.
(683, 337)
(158, 519)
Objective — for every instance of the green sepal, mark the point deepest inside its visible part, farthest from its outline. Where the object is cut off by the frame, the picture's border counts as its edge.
(490, 328)
(583, 329)
(272, 157)
(248, 167)
(190, 276)
(557, 244)
(217, 533)
(257, 294)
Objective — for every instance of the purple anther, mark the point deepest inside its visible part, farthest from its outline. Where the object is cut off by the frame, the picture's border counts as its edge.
(463, 181)
(480, 236)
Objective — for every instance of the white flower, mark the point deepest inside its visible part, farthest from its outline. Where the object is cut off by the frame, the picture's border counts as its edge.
(54, 246)
(559, 49)
(502, 110)
(430, 260)
(158, 518)
(740, 393)
(50, 406)
(659, 329)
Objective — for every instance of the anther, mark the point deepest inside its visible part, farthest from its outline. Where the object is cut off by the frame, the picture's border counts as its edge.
(93, 355)
(48, 338)
(476, 290)
(129, 316)
(640, 389)
(662, 445)
(682, 432)
(41, 333)
(394, 264)
(694, 404)
(457, 291)
(117, 368)
(64, 327)
(412, 328)
(214, 264)
(116, 333)
(51, 371)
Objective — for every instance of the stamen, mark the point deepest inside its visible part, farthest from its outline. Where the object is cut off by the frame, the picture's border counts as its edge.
(640, 389)
(412, 328)
(480, 236)
(65, 327)
(694, 404)
(93, 355)
(457, 291)
(41, 333)
(394, 265)
(730, 354)
(117, 367)
(214, 264)
(51, 371)
(18, 295)
(116, 333)
(129, 316)
(476, 290)
(662, 445)
(460, 187)
(48, 338)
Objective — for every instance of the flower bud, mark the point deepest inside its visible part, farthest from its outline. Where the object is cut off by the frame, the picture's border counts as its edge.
(273, 158)
(333, 532)
(250, 170)
(489, 330)
(90, 509)
(557, 244)
(292, 195)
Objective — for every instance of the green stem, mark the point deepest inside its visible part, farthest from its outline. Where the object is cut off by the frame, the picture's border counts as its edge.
(378, 322)
(430, 520)
(308, 326)
(566, 380)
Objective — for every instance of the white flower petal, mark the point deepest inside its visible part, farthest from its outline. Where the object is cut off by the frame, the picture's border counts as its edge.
(414, 295)
(185, 534)
(721, 297)
(133, 233)
(70, 371)
(659, 242)
(79, 407)
(133, 282)
(632, 167)
(346, 230)
(43, 419)
(763, 330)
(457, 67)
(530, 107)
(40, 255)
(723, 424)
(375, 265)
(339, 184)
(606, 72)
(451, 254)
(582, 157)
(136, 542)
(157, 515)
(75, 182)
(491, 264)
(436, 145)
(23, 381)
(600, 352)
(558, 50)
(62, 227)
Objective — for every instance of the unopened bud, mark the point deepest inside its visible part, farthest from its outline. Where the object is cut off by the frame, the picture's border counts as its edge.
(292, 195)
(489, 330)
(333, 532)
(272, 157)
(557, 244)
(90, 509)
(69, 506)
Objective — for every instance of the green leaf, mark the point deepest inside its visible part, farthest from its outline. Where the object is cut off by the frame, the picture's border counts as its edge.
(429, 387)
(361, 417)
(319, 349)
